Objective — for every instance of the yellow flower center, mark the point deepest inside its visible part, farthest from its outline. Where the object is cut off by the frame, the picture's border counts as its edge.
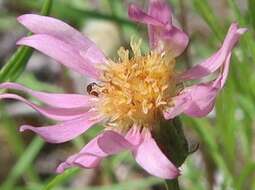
(135, 90)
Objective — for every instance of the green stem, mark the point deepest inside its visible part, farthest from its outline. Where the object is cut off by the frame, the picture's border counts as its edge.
(172, 184)
(18, 61)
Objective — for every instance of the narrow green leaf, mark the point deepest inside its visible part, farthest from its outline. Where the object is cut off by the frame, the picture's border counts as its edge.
(17, 63)
(251, 6)
(62, 178)
(204, 9)
(23, 163)
(247, 172)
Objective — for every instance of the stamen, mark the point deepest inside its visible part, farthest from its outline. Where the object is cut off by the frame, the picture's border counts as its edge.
(134, 90)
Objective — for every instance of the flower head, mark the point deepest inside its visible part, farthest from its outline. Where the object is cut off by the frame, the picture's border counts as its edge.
(129, 95)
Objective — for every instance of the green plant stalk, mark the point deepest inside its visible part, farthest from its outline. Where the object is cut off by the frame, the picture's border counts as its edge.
(205, 132)
(172, 184)
(10, 72)
(23, 163)
(65, 10)
(18, 61)
(59, 179)
(172, 142)
(16, 142)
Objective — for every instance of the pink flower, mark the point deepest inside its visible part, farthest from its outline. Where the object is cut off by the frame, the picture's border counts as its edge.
(129, 96)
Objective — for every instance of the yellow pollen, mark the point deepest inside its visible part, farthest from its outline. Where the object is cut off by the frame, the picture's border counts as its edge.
(135, 89)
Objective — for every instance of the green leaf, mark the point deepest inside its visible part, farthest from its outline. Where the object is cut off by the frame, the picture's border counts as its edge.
(62, 178)
(18, 61)
(204, 9)
(23, 163)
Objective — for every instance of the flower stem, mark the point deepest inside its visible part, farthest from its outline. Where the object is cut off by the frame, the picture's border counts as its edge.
(172, 184)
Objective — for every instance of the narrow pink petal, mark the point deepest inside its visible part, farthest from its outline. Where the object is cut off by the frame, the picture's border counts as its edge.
(60, 114)
(61, 52)
(160, 10)
(54, 99)
(151, 158)
(136, 14)
(214, 62)
(199, 100)
(162, 34)
(105, 144)
(62, 31)
(65, 131)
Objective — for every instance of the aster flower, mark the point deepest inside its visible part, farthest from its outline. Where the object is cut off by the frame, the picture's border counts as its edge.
(129, 96)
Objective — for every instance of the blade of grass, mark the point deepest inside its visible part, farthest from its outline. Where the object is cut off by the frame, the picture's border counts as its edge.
(23, 163)
(130, 185)
(67, 11)
(251, 7)
(205, 132)
(247, 172)
(16, 142)
(11, 71)
(204, 9)
(62, 178)
(18, 61)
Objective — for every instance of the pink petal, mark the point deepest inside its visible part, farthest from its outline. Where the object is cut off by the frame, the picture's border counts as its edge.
(136, 14)
(54, 99)
(61, 114)
(105, 144)
(198, 100)
(163, 35)
(151, 158)
(65, 131)
(62, 31)
(160, 10)
(181, 102)
(61, 52)
(214, 62)
(175, 41)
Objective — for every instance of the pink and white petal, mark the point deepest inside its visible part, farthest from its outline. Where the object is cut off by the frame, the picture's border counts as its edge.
(61, 52)
(59, 114)
(214, 62)
(175, 41)
(65, 131)
(151, 158)
(105, 144)
(54, 99)
(64, 32)
(138, 15)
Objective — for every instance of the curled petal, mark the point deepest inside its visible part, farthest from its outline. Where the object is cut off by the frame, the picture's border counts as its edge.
(198, 100)
(136, 14)
(151, 158)
(62, 31)
(214, 62)
(169, 38)
(65, 131)
(175, 41)
(62, 52)
(181, 102)
(54, 99)
(105, 144)
(61, 114)
(162, 34)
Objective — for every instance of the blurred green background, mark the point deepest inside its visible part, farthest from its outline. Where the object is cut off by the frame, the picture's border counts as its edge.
(225, 159)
